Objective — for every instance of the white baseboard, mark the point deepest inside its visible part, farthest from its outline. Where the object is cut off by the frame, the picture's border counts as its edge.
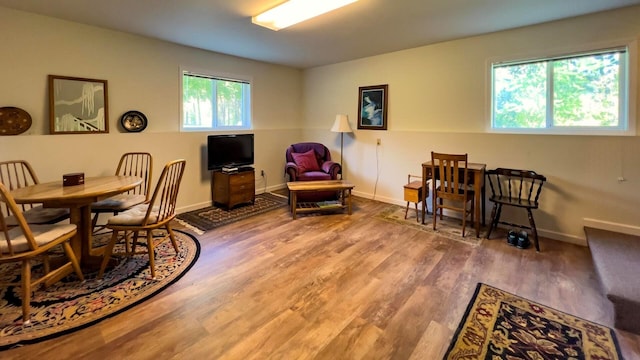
(611, 226)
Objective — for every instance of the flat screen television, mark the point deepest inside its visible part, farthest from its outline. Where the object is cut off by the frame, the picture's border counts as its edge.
(229, 151)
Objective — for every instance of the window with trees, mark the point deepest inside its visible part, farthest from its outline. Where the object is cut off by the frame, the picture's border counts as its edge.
(578, 93)
(212, 102)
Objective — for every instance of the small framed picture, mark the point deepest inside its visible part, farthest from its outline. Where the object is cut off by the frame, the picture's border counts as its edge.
(372, 107)
(77, 105)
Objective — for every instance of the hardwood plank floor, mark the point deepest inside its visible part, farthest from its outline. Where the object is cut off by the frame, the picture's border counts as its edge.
(332, 287)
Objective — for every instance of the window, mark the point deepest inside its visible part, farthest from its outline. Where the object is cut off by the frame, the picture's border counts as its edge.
(214, 102)
(579, 93)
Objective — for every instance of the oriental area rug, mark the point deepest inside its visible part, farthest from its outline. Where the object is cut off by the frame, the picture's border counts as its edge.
(448, 227)
(500, 325)
(70, 305)
(211, 217)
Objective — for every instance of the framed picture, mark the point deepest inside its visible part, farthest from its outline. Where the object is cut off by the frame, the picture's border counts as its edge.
(77, 105)
(372, 107)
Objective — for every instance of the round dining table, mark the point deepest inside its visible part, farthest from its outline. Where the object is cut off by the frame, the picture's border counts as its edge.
(78, 199)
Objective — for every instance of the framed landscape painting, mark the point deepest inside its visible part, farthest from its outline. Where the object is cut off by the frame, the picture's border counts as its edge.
(372, 107)
(77, 105)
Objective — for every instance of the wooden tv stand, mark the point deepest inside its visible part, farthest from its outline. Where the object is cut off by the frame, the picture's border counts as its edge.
(231, 189)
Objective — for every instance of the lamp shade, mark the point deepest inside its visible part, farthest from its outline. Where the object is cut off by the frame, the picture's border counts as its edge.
(341, 125)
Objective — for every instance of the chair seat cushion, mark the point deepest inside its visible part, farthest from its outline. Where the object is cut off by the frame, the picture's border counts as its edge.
(119, 202)
(134, 216)
(314, 175)
(306, 161)
(40, 215)
(43, 234)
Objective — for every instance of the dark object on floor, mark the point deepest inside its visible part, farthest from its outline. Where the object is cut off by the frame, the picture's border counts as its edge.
(517, 188)
(501, 325)
(616, 258)
(512, 237)
(523, 240)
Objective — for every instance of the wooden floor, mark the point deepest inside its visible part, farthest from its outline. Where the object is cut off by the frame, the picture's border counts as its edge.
(332, 287)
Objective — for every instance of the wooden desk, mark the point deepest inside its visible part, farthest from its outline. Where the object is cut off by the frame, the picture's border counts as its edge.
(477, 173)
(78, 199)
(320, 185)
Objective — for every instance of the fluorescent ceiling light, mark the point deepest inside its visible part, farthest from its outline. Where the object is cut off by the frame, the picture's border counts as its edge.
(295, 11)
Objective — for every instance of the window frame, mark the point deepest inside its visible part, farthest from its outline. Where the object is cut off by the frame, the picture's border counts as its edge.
(628, 93)
(217, 75)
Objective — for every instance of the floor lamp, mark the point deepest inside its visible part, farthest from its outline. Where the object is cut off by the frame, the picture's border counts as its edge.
(341, 125)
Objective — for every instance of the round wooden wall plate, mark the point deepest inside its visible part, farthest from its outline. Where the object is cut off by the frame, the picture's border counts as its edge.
(133, 121)
(14, 121)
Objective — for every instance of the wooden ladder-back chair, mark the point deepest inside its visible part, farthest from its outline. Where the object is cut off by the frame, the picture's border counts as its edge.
(453, 186)
(25, 242)
(155, 214)
(16, 174)
(131, 164)
(518, 188)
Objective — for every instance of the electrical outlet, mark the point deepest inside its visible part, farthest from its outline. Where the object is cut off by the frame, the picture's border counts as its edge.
(262, 173)
(378, 141)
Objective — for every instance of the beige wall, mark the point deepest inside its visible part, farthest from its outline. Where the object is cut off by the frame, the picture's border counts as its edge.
(438, 100)
(142, 74)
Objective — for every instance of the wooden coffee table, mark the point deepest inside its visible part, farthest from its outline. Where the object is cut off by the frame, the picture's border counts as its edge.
(322, 185)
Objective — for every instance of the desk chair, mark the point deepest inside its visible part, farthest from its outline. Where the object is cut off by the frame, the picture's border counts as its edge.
(453, 186)
(154, 215)
(25, 242)
(517, 188)
(16, 174)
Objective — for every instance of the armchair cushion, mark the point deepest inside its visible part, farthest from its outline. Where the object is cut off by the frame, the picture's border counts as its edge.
(306, 161)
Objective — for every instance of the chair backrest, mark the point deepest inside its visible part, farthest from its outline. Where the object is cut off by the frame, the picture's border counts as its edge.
(16, 174)
(453, 175)
(137, 164)
(164, 198)
(9, 233)
(516, 185)
(322, 152)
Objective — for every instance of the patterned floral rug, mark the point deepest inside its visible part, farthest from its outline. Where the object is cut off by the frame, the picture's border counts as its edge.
(209, 218)
(448, 227)
(500, 325)
(70, 305)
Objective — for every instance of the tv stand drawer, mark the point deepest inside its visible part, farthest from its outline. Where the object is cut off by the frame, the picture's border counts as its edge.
(231, 189)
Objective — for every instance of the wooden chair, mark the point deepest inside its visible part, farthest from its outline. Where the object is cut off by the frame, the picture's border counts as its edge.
(518, 188)
(15, 174)
(131, 164)
(25, 242)
(453, 175)
(155, 214)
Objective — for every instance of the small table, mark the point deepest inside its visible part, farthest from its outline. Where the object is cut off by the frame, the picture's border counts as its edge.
(321, 185)
(78, 199)
(477, 172)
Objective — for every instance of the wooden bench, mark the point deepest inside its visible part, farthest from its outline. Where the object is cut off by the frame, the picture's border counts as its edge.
(616, 258)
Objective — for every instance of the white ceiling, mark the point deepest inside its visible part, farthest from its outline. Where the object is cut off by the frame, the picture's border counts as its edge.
(364, 28)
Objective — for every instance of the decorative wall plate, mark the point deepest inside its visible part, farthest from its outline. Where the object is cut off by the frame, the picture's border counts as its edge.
(133, 121)
(14, 121)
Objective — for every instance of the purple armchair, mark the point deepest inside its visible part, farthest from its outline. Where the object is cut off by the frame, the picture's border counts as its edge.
(302, 168)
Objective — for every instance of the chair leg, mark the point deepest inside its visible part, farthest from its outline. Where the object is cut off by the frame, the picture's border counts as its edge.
(152, 262)
(74, 261)
(533, 229)
(26, 292)
(172, 238)
(107, 253)
(493, 218)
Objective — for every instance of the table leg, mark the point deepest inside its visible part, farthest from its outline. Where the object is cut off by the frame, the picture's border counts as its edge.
(425, 191)
(349, 201)
(477, 188)
(294, 203)
(75, 217)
